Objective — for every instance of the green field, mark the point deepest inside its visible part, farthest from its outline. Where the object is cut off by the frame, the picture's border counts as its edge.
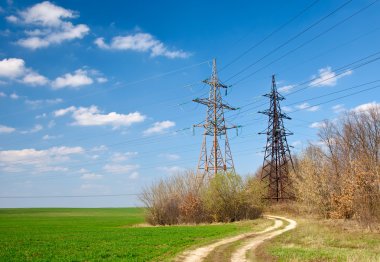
(322, 240)
(67, 234)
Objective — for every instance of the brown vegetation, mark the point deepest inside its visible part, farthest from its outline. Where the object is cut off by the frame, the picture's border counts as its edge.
(340, 178)
(185, 198)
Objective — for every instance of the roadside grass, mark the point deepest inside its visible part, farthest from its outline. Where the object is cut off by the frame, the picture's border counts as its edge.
(321, 240)
(111, 234)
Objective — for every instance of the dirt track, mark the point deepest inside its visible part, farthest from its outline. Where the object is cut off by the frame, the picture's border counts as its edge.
(254, 239)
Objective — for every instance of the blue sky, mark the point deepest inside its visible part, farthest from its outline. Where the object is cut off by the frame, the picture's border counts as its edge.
(97, 99)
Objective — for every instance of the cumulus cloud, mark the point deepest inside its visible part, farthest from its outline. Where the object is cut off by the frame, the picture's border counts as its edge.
(37, 161)
(6, 129)
(134, 175)
(34, 129)
(12, 67)
(366, 107)
(76, 80)
(141, 42)
(92, 116)
(285, 89)
(50, 25)
(338, 108)
(15, 69)
(159, 127)
(34, 79)
(326, 77)
(14, 96)
(307, 107)
(286, 108)
(318, 125)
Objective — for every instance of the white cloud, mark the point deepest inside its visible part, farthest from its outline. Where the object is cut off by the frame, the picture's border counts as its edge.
(6, 129)
(76, 80)
(49, 137)
(326, 77)
(338, 108)
(2, 94)
(286, 108)
(45, 14)
(120, 169)
(41, 102)
(170, 156)
(91, 116)
(14, 96)
(35, 129)
(37, 161)
(43, 115)
(34, 79)
(307, 107)
(285, 89)
(296, 143)
(159, 127)
(12, 19)
(120, 157)
(100, 148)
(101, 80)
(50, 25)
(91, 176)
(317, 125)
(14, 68)
(366, 107)
(141, 42)
(134, 175)
(64, 111)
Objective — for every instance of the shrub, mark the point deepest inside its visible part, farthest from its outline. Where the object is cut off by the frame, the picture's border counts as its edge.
(185, 198)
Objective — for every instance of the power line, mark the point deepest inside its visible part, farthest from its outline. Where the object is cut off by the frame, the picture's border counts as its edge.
(335, 99)
(269, 35)
(307, 42)
(290, 40)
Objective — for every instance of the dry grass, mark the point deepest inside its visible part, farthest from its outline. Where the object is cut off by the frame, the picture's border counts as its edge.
(322, 240)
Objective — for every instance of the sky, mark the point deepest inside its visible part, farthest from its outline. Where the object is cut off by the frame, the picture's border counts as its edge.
(96, 100)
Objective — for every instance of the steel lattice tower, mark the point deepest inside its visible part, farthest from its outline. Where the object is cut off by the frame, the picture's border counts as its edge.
(277, 158)
(218, 160)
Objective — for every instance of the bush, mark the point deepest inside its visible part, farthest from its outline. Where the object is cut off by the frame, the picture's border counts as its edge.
(340, 178)
(185, 198)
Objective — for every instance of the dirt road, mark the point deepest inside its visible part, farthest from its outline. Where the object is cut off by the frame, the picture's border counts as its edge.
(241, 253)
(253, 240)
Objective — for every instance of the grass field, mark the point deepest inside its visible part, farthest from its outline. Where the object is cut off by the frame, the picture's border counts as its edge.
(322, 240)
(100, 234)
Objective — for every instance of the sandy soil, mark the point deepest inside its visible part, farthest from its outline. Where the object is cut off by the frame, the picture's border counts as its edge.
(201, 253)
(241, 253)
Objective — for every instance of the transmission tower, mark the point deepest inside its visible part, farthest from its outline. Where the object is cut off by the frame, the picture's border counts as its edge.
(277, 158)
(218, 160)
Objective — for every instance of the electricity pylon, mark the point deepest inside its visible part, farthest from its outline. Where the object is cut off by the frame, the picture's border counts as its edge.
(218, 160)
(277, 158)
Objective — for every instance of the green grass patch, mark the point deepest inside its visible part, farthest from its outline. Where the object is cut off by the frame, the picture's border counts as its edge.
(64, 234)
(318, 240)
